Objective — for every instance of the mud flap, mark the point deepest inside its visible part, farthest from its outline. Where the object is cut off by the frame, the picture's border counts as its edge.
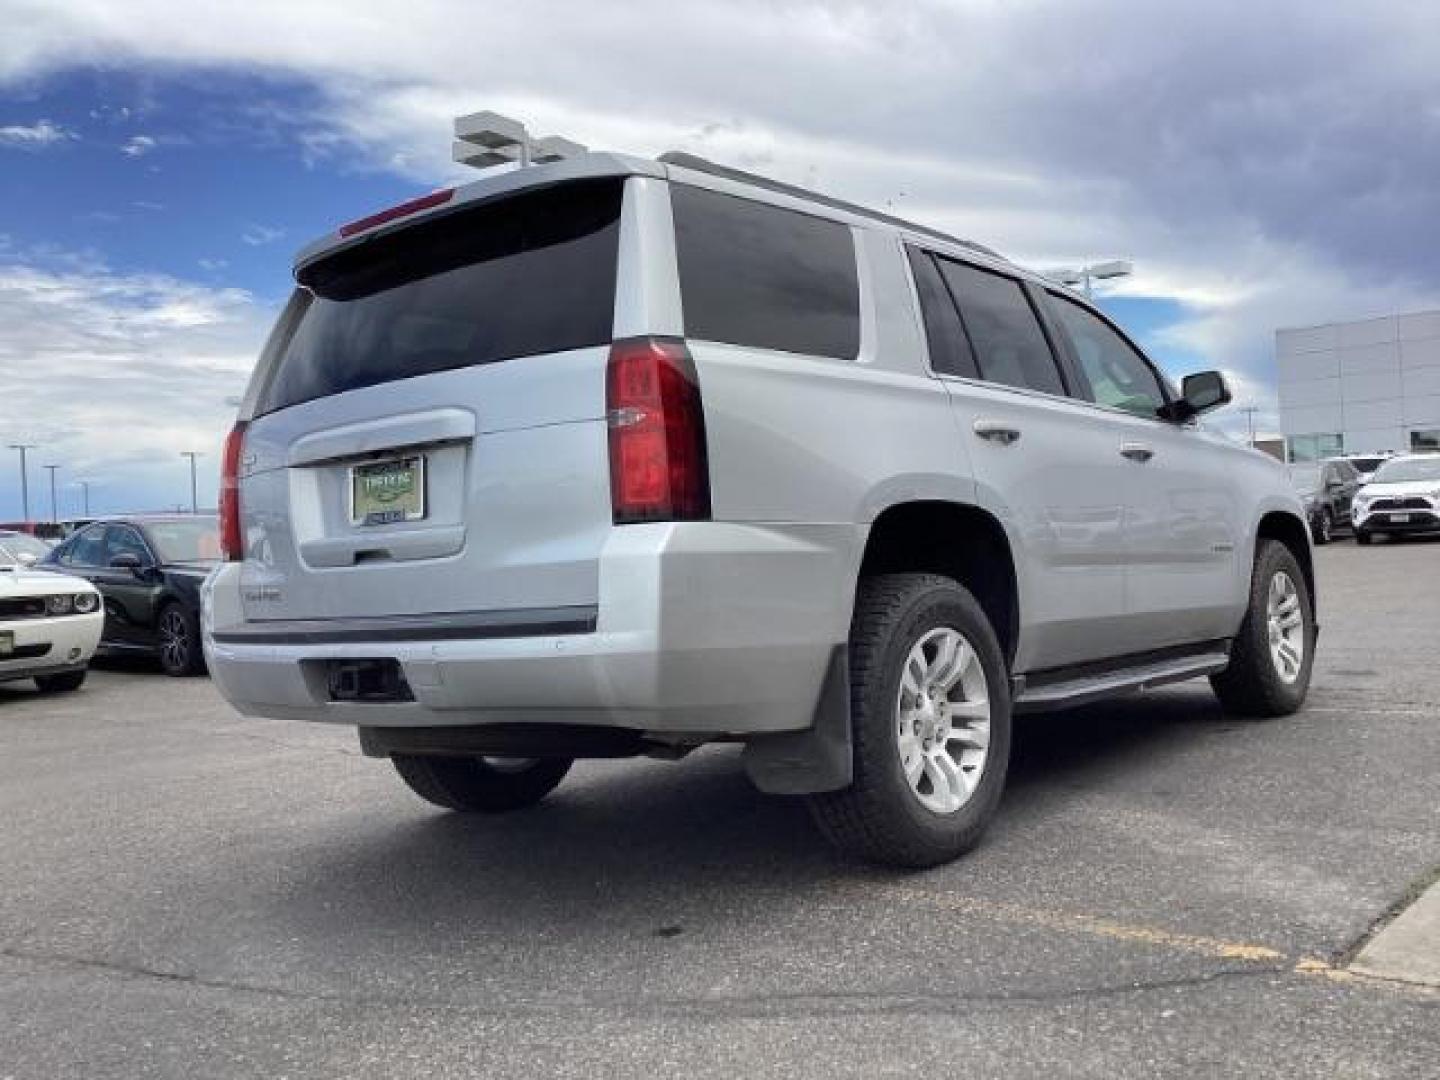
(817, 759)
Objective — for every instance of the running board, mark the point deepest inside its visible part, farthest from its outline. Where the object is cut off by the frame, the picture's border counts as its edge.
(1040, 693)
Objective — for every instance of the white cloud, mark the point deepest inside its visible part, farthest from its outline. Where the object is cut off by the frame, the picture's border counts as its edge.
(138, 146)
(36, 136)
(114, 374)
(213, 265)
(259, 235)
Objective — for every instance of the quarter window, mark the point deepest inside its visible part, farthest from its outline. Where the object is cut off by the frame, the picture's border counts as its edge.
(949, 349)
(1004, 331)
(1118, 375)
(759, 275)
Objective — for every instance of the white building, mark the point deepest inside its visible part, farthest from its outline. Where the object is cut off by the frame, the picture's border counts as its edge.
(1360, 387)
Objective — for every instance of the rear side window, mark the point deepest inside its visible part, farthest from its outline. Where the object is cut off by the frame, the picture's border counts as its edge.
(531, 273)
(949, 350)
(1010, 348)
(758, 275)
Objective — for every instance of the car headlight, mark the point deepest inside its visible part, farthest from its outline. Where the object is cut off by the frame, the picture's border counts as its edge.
(86, 602)
(60, 604)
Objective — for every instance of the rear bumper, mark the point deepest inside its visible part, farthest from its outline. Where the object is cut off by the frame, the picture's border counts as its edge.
(45, 646)
(703, 628)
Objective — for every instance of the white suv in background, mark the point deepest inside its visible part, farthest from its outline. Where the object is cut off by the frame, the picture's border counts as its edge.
(1401, 498)
(616, 456)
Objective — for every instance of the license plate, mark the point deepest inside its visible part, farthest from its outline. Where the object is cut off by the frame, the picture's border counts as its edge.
(7, 642)
(1399, 519)
(384, 492)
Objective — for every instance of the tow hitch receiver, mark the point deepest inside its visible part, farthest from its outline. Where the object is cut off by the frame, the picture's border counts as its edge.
(367, 680)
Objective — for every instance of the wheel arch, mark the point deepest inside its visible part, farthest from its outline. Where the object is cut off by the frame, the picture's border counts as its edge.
(958, 540)
(1294, 533)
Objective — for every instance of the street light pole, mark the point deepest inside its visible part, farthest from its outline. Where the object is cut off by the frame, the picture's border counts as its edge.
(1086, 275)
(1250, 411)
(194, 494)
(54, 513)
(24, 479)
(85, 494)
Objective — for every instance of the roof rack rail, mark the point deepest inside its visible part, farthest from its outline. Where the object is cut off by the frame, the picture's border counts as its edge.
(699, 164)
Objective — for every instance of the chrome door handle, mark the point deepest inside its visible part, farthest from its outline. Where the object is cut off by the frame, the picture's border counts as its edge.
(997, 431)
(1137, 451)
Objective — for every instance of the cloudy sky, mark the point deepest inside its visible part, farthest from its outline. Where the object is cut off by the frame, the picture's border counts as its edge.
(1263, 164)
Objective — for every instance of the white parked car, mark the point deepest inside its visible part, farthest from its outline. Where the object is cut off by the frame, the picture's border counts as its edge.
(1402, 497)
(49, 623)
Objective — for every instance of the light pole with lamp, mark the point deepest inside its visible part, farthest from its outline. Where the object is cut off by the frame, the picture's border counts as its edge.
(24, 479)
(1085, 276)
(54, 512)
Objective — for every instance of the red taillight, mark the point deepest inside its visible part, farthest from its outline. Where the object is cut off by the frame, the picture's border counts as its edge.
(658, 470)
(232, 543)
(414, 206)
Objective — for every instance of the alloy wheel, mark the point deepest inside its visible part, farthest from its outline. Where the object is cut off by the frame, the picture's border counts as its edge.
(1286, 625)
(174, 641)
(942, 720)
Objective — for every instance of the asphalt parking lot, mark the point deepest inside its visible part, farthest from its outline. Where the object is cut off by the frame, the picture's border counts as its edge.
(1168, 892)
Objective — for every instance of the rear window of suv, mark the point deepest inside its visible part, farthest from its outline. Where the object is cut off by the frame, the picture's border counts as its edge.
(766, 277)
(527, 274)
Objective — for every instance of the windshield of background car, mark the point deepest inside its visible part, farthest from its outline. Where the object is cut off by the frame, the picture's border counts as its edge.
(185, 541)
(527, 274)
(1366, 464)
(1403, 471)
(13, 545)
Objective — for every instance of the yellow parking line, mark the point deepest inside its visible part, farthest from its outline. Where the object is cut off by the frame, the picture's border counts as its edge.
(1095, 925)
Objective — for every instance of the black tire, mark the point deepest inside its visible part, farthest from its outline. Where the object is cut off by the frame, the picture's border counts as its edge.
(62, 683)
(1324, 530)
(179, 646)
(1363, 537)
(476, 783)
(1252, 684)
(880, 817)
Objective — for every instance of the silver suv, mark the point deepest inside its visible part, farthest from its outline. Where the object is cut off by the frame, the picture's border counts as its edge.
(612, 456)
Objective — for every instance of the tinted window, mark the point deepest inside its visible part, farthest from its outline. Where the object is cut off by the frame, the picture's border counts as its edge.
(123, 540)
(1117, 374)
(1010, 348)
(949, 350)
(532, 273)
(757, 275)
(88, 547)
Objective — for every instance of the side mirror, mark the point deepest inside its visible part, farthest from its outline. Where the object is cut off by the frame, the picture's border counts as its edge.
(128, 560)
(1199, 393)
